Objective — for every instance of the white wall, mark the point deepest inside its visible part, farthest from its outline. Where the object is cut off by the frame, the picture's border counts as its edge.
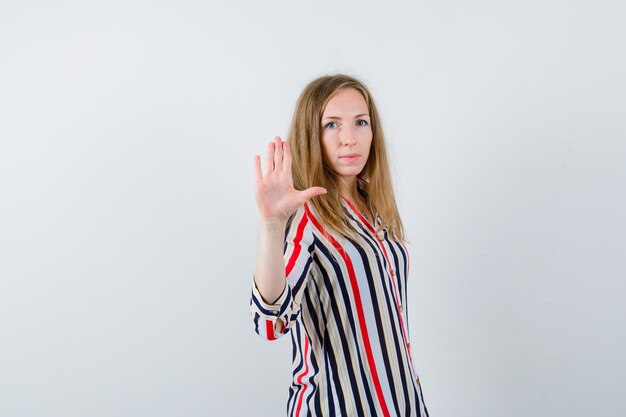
(128, 223)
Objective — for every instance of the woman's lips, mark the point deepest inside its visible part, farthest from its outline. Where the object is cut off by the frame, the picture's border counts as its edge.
(350, 157)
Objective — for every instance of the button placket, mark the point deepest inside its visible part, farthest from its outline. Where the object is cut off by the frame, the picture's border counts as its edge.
(392, 272)
(381, 237)
(381, 240)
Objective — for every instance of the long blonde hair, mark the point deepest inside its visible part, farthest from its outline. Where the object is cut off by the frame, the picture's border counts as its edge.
(308, 168)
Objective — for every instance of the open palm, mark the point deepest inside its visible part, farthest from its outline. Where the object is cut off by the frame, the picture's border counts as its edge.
(275, 195)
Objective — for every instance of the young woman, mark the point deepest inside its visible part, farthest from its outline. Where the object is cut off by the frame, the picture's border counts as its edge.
(332, 266)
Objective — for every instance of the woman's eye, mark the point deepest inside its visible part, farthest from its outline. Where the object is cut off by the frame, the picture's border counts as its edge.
(331, 125)
(361, 122)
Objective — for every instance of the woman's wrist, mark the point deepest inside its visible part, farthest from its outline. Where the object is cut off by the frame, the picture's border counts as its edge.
(271, 224)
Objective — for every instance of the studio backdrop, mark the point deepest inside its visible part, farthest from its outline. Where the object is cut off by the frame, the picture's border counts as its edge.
(128, 226)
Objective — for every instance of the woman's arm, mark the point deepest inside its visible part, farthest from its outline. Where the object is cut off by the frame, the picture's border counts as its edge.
(269, 276)
(277, 200)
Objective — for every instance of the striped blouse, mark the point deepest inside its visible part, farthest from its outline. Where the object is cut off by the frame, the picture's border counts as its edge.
(345, 307)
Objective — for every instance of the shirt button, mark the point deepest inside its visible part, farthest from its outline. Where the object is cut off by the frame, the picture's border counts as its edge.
(381, 235)
(393, 273)
(408, 345)
(400, 308)
(275, 312)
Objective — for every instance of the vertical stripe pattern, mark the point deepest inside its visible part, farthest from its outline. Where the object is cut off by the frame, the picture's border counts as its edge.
(345, 307)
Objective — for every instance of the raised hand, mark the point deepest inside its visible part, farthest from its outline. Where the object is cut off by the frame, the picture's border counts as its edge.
(275, 195)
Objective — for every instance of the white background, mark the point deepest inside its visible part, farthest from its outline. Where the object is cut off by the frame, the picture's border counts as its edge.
(128, 225)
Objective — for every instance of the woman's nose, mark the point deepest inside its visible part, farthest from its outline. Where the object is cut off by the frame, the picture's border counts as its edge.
(348, 137)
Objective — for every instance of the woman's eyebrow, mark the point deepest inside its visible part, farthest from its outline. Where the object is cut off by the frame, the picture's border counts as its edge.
(339, 118)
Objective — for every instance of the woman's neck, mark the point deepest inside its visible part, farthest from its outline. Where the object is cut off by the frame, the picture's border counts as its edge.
(349, 189)
(351, 192)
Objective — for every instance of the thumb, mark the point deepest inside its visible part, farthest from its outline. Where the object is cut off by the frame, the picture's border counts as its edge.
(312, 192)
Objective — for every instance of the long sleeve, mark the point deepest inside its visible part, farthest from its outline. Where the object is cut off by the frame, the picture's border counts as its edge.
(297, 254)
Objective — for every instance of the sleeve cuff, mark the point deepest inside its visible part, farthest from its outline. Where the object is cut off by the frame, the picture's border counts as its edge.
(271, 311)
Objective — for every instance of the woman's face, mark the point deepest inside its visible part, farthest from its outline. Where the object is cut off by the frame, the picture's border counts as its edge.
(346, 134)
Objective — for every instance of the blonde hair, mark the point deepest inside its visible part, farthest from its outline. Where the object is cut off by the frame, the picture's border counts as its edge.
(308, 168)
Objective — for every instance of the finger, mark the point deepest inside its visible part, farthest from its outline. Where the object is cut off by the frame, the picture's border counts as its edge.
(286, 158)
(258, 174)
(278, 154)
(309, 193)
(269, 159)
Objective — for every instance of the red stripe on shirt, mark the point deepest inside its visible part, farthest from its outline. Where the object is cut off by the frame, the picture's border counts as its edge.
(269, 329)
(303, 374)
(297, 247)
